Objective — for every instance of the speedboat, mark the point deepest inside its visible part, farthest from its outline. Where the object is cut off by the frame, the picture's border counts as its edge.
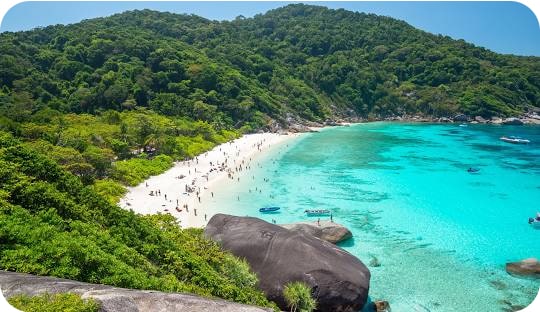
(269, 209)
(317, 212)
(535, 222)
(463, 125)
(514, 140)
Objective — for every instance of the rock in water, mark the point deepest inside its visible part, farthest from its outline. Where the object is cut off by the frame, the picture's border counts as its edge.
(328, 231)
(528, 267)
(340, 282)
(381, 306)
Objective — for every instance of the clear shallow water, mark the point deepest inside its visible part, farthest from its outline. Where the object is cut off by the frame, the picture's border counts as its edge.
(441, 234)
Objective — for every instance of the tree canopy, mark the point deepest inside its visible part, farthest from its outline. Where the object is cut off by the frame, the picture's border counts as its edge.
(305, 61)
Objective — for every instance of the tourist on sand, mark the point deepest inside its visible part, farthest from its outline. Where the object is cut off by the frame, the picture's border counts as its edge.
(319, 221)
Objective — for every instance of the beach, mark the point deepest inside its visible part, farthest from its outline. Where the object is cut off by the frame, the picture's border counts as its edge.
(181, 190)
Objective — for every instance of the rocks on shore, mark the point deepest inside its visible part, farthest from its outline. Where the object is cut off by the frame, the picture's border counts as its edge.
(113, 299)
(512, 121)
(528, 267)
(461, 118)
(339, 281)
(325, 230)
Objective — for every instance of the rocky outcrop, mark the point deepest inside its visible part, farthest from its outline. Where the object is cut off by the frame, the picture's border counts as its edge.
(480, 119)
(512, 121)
(325, 230)
(113, 299)
(340, 282)
(461, 118)
(529, 267)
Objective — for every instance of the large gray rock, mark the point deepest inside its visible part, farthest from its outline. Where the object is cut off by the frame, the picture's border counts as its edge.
(340, 282)
(529, 267)
(325, 230)
(113, 299)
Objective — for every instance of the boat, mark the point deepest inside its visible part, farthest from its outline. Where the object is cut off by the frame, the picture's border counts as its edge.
(463, 125)
(514, 140)
(317, 212)
(535, 222)
(473, 170)
(269, 209)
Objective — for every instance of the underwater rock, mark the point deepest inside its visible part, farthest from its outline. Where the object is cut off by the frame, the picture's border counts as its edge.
(529, 267)
(339, 281)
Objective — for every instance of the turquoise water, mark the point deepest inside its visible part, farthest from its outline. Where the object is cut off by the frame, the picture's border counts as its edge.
(440, 234)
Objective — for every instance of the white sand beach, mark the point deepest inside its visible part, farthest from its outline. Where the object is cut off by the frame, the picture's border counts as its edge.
(179, 191)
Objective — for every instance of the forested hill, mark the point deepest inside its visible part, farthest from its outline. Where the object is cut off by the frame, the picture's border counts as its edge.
(296, 62)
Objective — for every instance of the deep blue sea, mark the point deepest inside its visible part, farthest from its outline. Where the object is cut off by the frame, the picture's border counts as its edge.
(440, 234)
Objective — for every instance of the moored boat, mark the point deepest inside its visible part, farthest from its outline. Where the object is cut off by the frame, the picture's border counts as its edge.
(535, 222)
(514, 140)
(317, 212)
(269, 209)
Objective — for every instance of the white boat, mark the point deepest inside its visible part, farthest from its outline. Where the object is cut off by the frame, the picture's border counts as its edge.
(535, 222)
(318, 212)
(514, 140)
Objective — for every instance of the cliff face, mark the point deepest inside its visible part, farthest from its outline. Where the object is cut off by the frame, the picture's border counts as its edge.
(117, 299)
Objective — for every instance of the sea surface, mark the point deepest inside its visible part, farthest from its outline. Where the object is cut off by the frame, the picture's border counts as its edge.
(435, 237)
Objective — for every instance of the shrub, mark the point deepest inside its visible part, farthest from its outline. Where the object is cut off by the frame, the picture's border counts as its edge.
(298, 297)
(53, 303)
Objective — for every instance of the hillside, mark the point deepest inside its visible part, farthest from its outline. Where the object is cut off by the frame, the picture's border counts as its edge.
(90, 108)
(52, 224)
(297, 61)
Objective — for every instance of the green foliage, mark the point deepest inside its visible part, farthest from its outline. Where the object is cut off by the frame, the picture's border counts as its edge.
(298, 297)
(66, 302)
(52, 224)
(300, 60)
(135, 170)
(109, 189)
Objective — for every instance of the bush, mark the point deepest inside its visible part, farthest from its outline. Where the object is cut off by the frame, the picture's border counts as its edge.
(110, 189)
(134, 171)
(53, 303)
(298, 297)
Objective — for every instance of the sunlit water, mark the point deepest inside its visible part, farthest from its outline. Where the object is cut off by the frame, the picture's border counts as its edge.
(441, 235)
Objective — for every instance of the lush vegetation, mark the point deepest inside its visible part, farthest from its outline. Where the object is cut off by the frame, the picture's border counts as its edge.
(88, 108)
(298, 297)
(53, 303)
(299, 61)
(113, 149)
(52, 224)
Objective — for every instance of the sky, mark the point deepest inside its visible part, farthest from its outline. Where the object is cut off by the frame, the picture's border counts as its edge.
(504, 27)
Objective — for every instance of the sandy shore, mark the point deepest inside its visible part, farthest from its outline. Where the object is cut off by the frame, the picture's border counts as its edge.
(179, 190)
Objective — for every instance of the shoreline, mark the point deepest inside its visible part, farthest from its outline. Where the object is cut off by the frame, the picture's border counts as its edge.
(180, 190)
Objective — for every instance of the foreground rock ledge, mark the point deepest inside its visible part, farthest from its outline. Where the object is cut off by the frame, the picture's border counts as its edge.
(114, 299)
(325, 230)
(340, 281)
